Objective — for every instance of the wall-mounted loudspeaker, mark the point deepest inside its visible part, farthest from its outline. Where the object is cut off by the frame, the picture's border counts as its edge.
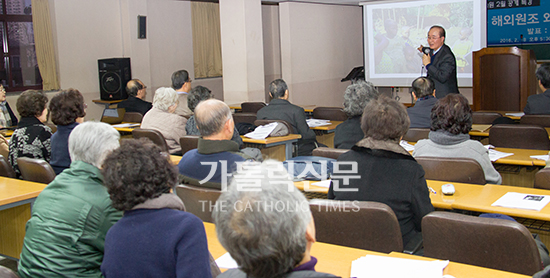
(142, 27)
(114, 73)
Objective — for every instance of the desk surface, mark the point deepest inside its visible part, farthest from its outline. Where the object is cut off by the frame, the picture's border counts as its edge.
(332, 126)
(337, 260)
(308, 108)
(15, 190)
(271, 140)
(481, 131)
(521, 157)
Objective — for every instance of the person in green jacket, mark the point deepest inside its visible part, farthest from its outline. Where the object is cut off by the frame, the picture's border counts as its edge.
(66, 233)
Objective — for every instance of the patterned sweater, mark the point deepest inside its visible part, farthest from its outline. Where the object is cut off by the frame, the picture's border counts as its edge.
(30, 139)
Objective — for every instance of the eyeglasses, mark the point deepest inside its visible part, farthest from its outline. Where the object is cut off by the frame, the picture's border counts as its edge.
(432, 38)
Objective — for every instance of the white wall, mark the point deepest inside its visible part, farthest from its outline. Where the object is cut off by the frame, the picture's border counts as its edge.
(272, 45)
(320, 44)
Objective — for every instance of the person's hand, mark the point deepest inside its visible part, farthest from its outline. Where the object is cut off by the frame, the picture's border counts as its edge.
(426, 59)
(420, 48)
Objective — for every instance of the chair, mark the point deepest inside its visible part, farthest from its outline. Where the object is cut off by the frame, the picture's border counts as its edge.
(36, 170)
(371, 225)
(328, 152)
(485, 118)
(265, 122)
(198, 200)
(5, 168)
(153, 135)
(519, 137)
(251, 107)
(113, 115)
(189, 142)
(540, 120)
(486, 242)
(244, 118)
(415, 134)
(452, 169)
(542, 179)
(329, 113)
(52, 127)
(132, 117)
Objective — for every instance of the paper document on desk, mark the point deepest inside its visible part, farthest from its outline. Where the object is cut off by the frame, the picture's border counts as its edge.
(518, 114)
(480, 128)
(372, 266)
(317, 122)
(541, 157)
(495, 155)
(522, 201)
(127, 125)
(226, 261)
(408, 147)
(262, 131)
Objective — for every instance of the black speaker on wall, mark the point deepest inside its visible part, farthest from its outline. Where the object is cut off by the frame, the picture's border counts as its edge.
(114, 73)
(142, 27)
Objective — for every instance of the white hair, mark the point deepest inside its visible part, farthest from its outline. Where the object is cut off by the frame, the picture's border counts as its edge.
(90, 142)
(164, 98)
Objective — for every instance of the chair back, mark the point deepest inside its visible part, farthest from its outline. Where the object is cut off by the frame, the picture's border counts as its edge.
(452, 169)
(540, 120)
(542, 178)
(484, 118)
(198, 200)
(519, 136)
(371, 225)
(7, 273)
(153, 135)
(486, 242)
(52, 127)
(36, 170)
(5, 168)
(328, 152)
(252, 107)
(329, 113)
(244, 118)
(189, 142)
(414, 134)
(265, 122)
(132, 117)
(113, 115)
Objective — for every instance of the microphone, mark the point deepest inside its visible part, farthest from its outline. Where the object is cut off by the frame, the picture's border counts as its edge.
(426, 50)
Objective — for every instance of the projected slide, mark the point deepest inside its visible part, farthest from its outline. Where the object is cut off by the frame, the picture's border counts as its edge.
(394, 31)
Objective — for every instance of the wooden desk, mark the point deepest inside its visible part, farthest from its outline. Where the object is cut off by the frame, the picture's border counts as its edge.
(337, 259)
(16, 199)
(106, 103)
(485, 132)
(278, 148)
(325, 133)
(175, 159)
(126, 129)
(308, 108)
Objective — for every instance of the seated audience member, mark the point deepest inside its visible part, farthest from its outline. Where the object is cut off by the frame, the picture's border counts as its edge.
(68, 110)
(540, 104)
(195, 96)
(182, 84)
(386, 172)
(281, 109)
(451, 123)
(266, 242)
(32, 136)
(424, 97)
(356, 98)
(70, 218)
(162, 118)
(7, 117)
(216, 152)
(136, 102)
(155, 237)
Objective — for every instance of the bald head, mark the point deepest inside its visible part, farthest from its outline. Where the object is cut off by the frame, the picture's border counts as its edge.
(135, 88)
(212, 116)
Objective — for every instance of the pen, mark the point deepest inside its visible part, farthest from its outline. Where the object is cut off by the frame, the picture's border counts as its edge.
(432, 190)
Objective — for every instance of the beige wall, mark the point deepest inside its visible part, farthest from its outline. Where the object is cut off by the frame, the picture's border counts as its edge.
(272, 45)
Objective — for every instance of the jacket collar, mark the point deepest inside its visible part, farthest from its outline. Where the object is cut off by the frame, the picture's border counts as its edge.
(28, 121)
(279, 101)
(166, 200)
(216, 146)
(81, 166)
(388, 145)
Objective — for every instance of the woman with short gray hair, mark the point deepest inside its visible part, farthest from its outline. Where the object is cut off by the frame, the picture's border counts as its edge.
(356, 98)
(163, 119)
(275, 236)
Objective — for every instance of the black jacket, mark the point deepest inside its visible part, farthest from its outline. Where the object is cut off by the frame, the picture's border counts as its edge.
(538, 104)
(442, 71)
(420, 113)
(134, 104)
(348, 133)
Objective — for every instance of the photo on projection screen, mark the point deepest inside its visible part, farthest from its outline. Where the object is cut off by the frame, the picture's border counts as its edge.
(394, 31)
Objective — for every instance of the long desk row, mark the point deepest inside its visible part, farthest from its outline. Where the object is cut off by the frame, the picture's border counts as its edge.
(337, 259)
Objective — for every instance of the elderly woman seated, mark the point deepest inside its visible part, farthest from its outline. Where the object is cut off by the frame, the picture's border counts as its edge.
(70, 218)
(32, 136)
(451, 123)
(264, 241)
(380, 170)
(68, 110)
(156, 237)
(356, 98)
(162, 118)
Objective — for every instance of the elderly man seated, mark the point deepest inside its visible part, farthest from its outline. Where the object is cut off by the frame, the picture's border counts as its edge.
(274, 237)
(214, 159)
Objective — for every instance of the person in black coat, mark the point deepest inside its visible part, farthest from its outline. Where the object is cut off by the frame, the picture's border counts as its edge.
(540, 104)
(7, 117)
(136, 98)
(424, 95)
(441, 63)
(378, 169)
(356, 98)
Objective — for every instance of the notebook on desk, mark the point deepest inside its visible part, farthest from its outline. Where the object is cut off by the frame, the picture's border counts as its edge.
(113, 115)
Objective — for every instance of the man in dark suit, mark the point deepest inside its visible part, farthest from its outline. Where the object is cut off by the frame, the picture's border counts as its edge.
(540, 104)
(440, 63)
(281, 109)
(136, 98)
(424, 95)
